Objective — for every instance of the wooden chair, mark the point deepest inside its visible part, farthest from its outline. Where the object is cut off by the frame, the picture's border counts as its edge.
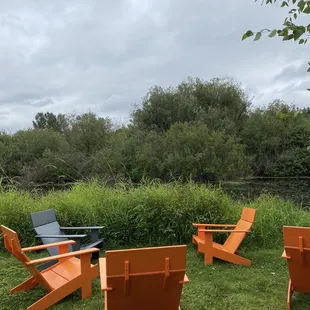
(49, 231)
(228, 250)
(149, 278)
(60, 280)
(297, 254)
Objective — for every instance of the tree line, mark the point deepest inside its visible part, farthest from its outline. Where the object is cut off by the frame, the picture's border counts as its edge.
(203, 130)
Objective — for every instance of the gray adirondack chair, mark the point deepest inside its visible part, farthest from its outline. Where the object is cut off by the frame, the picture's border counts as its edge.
(49, 231)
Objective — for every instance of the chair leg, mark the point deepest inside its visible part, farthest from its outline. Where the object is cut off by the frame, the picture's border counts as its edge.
(289, 294)
(208, 259)
(25, 286)
(207, 249)
(88, 273)
(232, 258)
(105, 300)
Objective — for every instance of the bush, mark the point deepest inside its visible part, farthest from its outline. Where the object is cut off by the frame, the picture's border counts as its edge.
(147, 214)
(150, 214)
(277, 137)
(193, 149)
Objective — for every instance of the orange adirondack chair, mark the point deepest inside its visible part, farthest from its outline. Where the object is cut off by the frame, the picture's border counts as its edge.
(149, 278)
(60, 280)
(228, 250)
(297, 254)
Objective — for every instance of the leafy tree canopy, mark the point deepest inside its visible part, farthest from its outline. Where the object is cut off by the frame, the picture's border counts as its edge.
(220, 103)
(50, 121)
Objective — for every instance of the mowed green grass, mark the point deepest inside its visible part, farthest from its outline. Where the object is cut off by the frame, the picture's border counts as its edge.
(215, 287)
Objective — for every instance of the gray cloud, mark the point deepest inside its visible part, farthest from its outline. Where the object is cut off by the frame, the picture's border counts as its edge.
(43, 103)
(291, 72)
(76, 56)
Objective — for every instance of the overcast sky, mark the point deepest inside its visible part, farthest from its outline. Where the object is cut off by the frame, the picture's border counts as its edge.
(104, 55)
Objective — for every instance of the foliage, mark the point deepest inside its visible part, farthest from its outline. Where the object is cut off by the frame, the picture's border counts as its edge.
(277, 137)
(193, 149)
(220, 103)
(89, 132)
(199, 130)
(185, 150)
(272, 214)
(290, 30)
(147, 214)
(49, 120)
(151, 213)
(110, 161)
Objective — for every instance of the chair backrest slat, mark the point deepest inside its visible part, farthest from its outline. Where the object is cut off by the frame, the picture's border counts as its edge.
(43, 217)
(246, 221)
(45, 223)
(297, 248)
(146, 278)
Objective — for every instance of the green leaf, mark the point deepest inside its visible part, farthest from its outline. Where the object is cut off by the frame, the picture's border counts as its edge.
(295, 15)
(283, 32)
(308, 70)
(308, 89)
(288, 37)
(257, 36)
(272, 33)
(246, 35)
(298, 32)
(301, 5)
(282, 115)
(284, 3)
(306, 10)
(301, 41)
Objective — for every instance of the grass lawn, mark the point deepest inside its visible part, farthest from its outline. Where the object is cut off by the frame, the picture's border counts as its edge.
(215, 287)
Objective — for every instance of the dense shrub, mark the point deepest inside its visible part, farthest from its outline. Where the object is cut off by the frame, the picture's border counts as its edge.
(194, 149)
(220, 103)
(149, 214)
(277, 136)
(185, 150)
(199, 130)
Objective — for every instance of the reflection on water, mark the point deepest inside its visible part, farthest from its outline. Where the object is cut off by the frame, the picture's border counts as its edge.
(295, 190)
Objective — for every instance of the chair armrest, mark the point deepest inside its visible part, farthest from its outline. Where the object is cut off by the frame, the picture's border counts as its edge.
(76, 228)
(94, 231)
(214, 225)
(103, 274)
(60, 256)
(61, 236)
(46, 246)
(224, 230)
